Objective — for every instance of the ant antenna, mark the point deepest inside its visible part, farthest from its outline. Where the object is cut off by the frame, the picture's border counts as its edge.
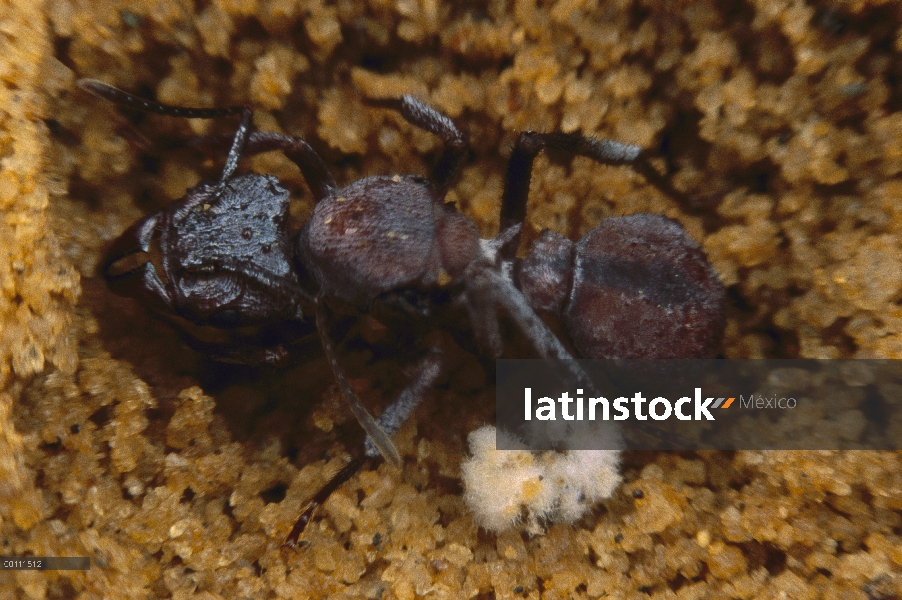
(123, 98)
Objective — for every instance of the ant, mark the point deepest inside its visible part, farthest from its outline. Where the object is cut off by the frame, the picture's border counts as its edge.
(222, 257)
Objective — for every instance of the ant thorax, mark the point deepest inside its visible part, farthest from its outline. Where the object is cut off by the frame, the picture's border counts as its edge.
(384, 233)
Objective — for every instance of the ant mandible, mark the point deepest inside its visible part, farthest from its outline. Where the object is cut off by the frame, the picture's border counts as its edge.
(223, 257)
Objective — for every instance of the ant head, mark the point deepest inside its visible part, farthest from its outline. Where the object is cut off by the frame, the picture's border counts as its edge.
(220, 256)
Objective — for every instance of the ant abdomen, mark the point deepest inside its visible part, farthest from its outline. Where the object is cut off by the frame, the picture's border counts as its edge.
(633, 287)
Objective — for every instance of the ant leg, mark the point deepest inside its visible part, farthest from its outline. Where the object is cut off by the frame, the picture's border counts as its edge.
(606, 152)
(298, 151)
(321, 496)
(495, 289)
(380, 438)
(240, 354)
(425, 117)
(481, 306)
(482, 279)
(428, 371)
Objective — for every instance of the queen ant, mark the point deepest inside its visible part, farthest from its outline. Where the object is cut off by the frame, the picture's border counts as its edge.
(223, 257)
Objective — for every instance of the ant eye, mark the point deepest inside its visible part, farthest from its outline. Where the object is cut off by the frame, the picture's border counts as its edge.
(225, 318)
